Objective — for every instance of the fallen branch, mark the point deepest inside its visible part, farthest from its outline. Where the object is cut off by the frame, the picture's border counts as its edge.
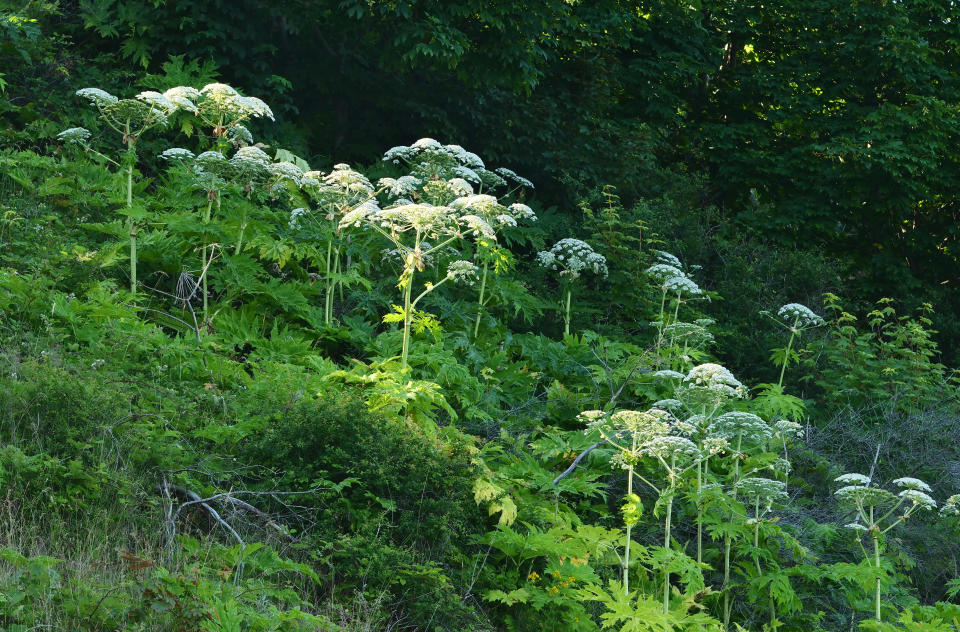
(183, 492)
(576, 462)
(229, 499)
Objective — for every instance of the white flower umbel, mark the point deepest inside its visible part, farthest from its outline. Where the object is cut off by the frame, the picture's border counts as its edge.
(951, 508)
(570, 258)
(295, 215)
(879, 511)
(800, 315)
(667, 258)
(708, 387)
(96, 96)
(461, 271)
(853, 479)
(220, 106)
(912, 483)
(158, 100)
(239, 135)
(286, 172)
(522, 211)
(663, 271)
(682, 285)
(741, 427)
(429, 160)
(175, 154)
(252, 154)
(75, 135)
(511, 176)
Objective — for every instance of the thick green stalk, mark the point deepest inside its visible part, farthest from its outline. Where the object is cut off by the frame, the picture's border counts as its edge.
(786, 356)
(133, 233)
(666, 545)
(699, 513)
(336, 271)
(661, 320)
(626, 551)
(243, 227)
(406, 320)
(876, 563)
(726, 540)
(483, 289)
(328, 298)
(566, 317)
(206, 220)
(666, 575)
(756, 558)
(726, 582)
(131, 225)
(338, 285)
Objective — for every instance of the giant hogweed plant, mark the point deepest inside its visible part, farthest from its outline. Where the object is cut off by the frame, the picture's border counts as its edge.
(410, 228)
(450, 175)
(429, 212)
(333, 195)
(877, 511)
(221, 109)
(248, 171)
(571, 258)
(639, 438)
(131, 118)
(676, 284)
(771, 399)
(729, 496)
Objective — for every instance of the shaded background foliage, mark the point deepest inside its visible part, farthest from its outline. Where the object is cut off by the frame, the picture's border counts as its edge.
(825, 126)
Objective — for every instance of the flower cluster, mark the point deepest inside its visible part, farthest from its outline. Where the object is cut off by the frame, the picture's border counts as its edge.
(131, 117)
(864, 496)
(853, 479)
(176, 154)
(400, 187)
(295, 215)
(912, 483)
(349, 181)
(951, 507)
(671, 447)
(286, 171)
(462, 272)
(509, 174)
(666, 258)
(682, 285)
(75, 135)
(919, 499)
(741, 426)
(571, 257)
(763, 490)
(96, 96)
(798, 315)
(221, 105)
(253, 155)
(786, 428)
(432, 161)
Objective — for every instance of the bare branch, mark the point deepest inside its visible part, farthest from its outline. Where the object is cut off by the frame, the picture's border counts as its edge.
(576, 461)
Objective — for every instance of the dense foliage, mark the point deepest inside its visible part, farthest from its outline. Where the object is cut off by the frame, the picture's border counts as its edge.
(619, 361)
